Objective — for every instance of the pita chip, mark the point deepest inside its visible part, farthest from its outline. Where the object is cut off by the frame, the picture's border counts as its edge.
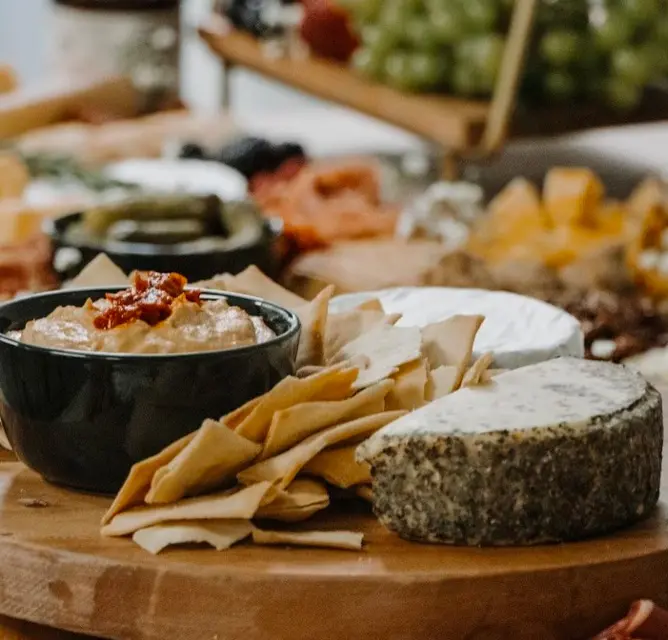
(491, 373)
(282, 469)
(372, 304)
(334, 383)
(387, 348)
(475, 375)
(138, 482)
(290, 426)
(346, 540)
(450, 342)
(239, 504)
(303, 498)
(441, 382)
(308, 370)
(410, 387)
(221, 282)
(365, 492)
(220, 534)
(339, 467)
(211, 460)
(313, 316)
(253, 282)
(345, 327)
(236, 417)
(99, 272)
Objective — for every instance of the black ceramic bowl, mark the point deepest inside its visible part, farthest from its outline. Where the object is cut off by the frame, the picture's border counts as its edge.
(195, 261)
(81, 419)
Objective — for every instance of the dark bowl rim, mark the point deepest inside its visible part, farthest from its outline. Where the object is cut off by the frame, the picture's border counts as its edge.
(271, 229)
(106, 356)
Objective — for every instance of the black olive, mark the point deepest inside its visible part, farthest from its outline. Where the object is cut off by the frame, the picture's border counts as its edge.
(192, 151)
(285, 151)
(248, 155)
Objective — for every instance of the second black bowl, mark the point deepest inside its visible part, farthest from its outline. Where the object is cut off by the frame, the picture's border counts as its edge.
(81, 419)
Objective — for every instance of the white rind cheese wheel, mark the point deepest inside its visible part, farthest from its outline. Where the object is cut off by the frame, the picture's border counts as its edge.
(557, 451)
(519, 331)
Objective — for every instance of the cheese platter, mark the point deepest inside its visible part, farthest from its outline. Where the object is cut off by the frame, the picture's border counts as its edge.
(380, 408)
(63, 574)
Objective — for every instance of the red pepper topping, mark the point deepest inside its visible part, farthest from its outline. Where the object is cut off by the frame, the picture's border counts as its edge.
(150, 299)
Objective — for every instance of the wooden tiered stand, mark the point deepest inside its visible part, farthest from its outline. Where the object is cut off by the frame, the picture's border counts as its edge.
(457, 127)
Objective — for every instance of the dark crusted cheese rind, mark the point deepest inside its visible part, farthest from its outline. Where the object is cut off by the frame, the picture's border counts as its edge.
(583, 459)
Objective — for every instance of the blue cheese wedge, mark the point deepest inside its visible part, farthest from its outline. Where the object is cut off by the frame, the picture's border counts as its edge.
(557, 451)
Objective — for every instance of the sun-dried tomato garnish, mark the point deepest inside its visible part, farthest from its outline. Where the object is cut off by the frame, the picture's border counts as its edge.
(150, 299)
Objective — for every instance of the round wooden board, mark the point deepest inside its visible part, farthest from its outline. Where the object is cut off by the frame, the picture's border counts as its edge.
(56, 570)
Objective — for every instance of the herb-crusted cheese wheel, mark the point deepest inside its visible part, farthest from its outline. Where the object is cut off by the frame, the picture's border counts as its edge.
(556, 451)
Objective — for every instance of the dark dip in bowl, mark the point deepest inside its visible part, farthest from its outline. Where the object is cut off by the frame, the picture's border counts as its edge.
(94, 380)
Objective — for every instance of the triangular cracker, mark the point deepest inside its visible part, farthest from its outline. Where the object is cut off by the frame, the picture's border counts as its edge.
(99, 272)
(345, 327)
(210, 461)
(313, 316)
(253, 282)
(282, 469)
(138, 482)
(346, 540)
(372, 304)
(450, 342)
(291, 426)
(475, 375)
(442, 381)
(240, 504)
(339, 467)
(491, 373)
(410, 387)
(299, 501)
(220, 534)
(387, 348)
(330, 384)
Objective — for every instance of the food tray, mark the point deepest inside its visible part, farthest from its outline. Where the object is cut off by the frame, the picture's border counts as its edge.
(59, 572)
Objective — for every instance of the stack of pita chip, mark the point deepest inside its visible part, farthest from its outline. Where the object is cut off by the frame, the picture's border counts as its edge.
(276, 458)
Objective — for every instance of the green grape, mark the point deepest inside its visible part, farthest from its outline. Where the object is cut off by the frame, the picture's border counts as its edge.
(362, 11)
(615, 32)
(394, 13)
(419, 35)
(368, 63)
(641, 12)
(480, 16)
(661, 31)
(632, 65)
(463, 81)
(622, 95)
(427, 71)
(378, 40)
(657, 56)
(561, 47)
(447, 24)
(483, 56)
(414, 71)
(398, 71)
(563, 13)
(560, 85)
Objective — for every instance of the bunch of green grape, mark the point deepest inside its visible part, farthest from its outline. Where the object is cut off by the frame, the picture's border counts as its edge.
(603, 51)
